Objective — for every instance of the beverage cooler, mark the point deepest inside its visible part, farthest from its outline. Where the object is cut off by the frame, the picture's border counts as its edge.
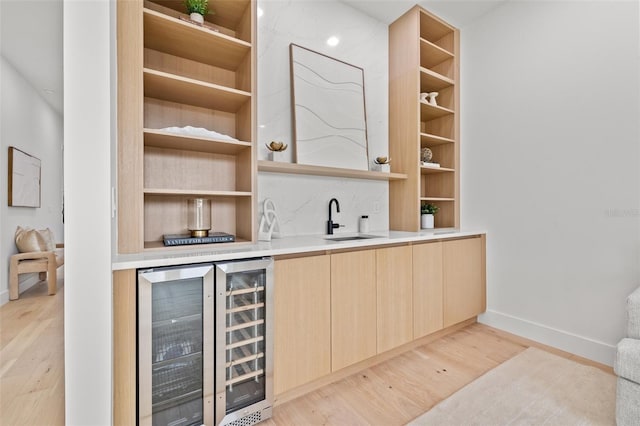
(205, 344)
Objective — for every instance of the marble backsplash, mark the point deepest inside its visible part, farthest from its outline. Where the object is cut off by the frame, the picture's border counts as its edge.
(302, 201)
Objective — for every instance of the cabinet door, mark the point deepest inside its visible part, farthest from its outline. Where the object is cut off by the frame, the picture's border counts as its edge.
(394, 293)
(464, 279)
(427, 289)
(302, 321)
(353, 307)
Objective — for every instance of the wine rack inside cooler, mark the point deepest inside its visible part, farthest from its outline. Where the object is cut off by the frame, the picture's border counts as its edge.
(244, 345)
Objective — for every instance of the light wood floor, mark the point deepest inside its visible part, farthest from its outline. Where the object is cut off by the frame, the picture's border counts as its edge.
(32, 358)
(402, 388)
(391, 393)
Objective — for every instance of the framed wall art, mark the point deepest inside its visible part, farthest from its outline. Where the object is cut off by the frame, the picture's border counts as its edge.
(329, 117)
(24, 179)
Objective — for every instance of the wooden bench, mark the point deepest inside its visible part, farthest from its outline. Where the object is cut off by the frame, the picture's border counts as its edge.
(46, 263)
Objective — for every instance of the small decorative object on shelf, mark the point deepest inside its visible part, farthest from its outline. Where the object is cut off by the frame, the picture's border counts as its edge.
(382, 164)
(429, 98)
(430, 165)
(432, 98)
(199, 217)
(427, 212)
(276, 149)
(426, 155)
(197, 10)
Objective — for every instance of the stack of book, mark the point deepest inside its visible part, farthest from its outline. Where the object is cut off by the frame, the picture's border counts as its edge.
(186, 239)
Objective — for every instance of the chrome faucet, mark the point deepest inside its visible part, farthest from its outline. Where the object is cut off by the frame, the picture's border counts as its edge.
(330, 225)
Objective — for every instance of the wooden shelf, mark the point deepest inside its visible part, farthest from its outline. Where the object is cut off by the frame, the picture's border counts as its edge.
(429, 112)
(431, 81)
(433, 140)
(432, 28)
(163, 139)
(424, 57)
(195, 192)
(436, 199)
(303, 169)
(176, 37)
(228, 16)
(426, 170)
(432, 54)
(183, 90)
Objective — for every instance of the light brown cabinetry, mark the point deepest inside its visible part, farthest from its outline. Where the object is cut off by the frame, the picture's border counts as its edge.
(174, 73)
(427, 289)
(395, 297)
(423, 58)
(125, 374)
(463, 265)
(353, 307)
(302, 326)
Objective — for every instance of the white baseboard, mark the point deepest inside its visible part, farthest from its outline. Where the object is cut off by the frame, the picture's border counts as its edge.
(24, 285)
(601, 352)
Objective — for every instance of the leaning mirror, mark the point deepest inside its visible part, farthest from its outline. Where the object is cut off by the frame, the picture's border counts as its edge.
(329, 119)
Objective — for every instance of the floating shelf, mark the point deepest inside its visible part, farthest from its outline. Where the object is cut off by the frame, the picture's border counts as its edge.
(183, 90)
(303, 169)
(163, 139)
(195, 192)
(176, 37)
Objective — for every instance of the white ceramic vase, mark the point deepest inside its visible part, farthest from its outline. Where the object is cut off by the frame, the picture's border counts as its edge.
(196, 17)
(426, 221)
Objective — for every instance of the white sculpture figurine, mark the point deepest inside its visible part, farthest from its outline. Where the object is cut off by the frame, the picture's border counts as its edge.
(432, 98)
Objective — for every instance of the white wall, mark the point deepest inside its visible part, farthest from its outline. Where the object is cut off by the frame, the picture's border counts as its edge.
(302, 201)
(87, 138)
(551, 167)
(33, 126)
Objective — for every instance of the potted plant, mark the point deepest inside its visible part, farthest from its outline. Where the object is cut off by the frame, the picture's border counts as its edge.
(426, 215)
(197, 9)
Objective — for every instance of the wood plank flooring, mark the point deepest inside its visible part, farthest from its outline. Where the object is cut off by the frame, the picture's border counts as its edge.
(391, 393)
(32, 358)
(402, 388)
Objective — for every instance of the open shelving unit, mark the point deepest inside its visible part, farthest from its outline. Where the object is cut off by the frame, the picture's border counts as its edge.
(416, 124)
(173, 72)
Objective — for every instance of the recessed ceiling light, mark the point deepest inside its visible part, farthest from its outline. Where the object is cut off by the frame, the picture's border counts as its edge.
(260, 12)
(333, 41)
(262, 126)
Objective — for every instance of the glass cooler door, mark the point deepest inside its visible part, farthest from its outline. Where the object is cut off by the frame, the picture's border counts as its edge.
(243, 346)
(175, 357)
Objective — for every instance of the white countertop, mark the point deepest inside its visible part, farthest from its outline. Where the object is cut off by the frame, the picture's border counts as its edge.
(279, 246)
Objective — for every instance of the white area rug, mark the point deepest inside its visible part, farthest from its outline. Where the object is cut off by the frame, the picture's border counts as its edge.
(532, 388)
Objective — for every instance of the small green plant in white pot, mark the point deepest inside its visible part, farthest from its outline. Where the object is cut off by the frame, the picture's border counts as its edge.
(197, 10)
(427, 212)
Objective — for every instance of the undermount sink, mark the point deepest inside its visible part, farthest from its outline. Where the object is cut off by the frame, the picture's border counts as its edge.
(352, 238)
